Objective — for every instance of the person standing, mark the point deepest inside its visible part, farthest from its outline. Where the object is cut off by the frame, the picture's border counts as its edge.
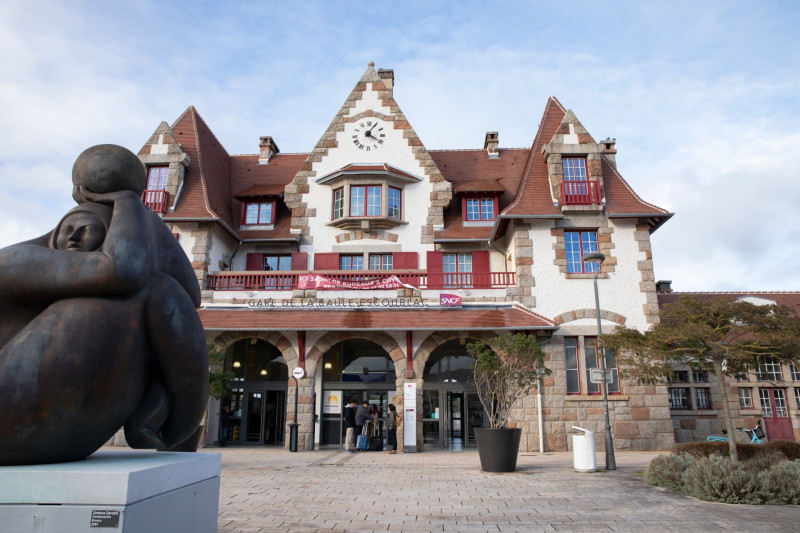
(391, 426)
(224, 424)
(350, 426)
(362, 417)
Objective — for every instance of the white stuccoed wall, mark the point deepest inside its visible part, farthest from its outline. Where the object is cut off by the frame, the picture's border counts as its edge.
(619, 292)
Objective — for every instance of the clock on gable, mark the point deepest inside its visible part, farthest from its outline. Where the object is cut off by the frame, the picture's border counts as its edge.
(368, 133)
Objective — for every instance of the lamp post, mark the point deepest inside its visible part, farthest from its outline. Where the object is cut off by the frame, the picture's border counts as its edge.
(597, 257)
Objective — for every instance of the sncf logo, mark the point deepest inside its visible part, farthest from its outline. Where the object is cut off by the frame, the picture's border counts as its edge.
(449, 300)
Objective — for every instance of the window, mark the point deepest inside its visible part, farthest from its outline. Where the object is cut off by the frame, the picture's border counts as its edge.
(479, 208)
(700, 377)
(380, 261)
(365, 200)
(338, 203)
(157, 178)
(679, 399)
(578, 244)
(679, 376)
(258, 212)
(277, 262)
(769, 370)
(571, 363)
(574, 168)
(745, 398)
(394, 203)
(742, 376)
(593, 361)
(781, 410)
(702, 398)
(351, 262)
(457, 269)
(795, 373)
(797, 397)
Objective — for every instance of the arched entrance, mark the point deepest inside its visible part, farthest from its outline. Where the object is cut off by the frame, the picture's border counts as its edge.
(450, 407)
(258, 400)
(357, 369)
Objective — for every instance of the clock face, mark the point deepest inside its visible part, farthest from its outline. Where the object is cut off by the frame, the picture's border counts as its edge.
(368, 133)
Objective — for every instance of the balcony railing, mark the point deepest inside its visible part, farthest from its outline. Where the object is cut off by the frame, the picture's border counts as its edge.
(288, 280)
(156, 199)
(580, 193)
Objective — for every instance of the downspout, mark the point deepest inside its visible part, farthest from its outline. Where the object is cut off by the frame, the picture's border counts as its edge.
(234, 254)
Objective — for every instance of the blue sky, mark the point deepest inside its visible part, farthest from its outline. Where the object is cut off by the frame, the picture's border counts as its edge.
(702, 98)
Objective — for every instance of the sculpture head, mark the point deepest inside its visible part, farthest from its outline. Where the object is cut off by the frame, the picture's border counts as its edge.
(82, 229)
(109, 168)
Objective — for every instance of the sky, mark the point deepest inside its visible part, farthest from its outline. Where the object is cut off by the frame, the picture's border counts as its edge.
(703, 99)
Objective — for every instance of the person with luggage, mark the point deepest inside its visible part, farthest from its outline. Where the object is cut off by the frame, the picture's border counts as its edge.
(362, 419)
(375, 438)
(350, 426)
(391, 425)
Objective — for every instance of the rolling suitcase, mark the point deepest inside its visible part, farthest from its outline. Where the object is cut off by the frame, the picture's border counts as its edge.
(362, 443)
(376, 443)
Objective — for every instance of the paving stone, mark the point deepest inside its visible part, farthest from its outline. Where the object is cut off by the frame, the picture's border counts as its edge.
(270, 489)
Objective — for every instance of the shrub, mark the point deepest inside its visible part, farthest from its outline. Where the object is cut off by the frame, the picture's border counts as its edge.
(780, 484)
(764, 460)
(702, 448)
(666, 471)
(789, 449)
(718, 479)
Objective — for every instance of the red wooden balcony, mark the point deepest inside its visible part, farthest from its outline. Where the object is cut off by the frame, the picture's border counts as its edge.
(580, 193)
(156, 199)
(288, 280)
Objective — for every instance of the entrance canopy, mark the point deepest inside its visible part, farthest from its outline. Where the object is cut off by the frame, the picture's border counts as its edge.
(310, 318)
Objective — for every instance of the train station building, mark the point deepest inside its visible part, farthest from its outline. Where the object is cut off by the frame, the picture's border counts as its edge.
(372, 260)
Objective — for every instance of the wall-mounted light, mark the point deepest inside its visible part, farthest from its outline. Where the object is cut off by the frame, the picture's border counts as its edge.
(328, 365)
(253, 340)
(236, 364)
(263, 372)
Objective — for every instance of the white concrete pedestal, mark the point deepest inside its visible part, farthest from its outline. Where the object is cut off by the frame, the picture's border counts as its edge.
(114, 491)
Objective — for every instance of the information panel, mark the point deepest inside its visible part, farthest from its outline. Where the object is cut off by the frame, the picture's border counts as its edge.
(410, 417)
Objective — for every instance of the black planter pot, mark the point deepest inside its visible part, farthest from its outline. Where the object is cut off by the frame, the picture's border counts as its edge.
(498, 448)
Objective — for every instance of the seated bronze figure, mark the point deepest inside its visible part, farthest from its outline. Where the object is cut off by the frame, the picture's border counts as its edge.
(99, 327)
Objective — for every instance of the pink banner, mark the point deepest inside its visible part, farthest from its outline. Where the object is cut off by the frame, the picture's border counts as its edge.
(314, 281)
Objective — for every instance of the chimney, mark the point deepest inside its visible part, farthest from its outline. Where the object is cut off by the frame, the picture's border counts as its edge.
(609, 150)
(664, 286)
(267, 148)
(387, 76)
(490, 144)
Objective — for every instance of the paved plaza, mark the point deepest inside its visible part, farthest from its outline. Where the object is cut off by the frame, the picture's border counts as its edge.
(266, 490)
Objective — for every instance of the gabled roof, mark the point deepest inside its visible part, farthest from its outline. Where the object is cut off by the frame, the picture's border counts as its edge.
(206, 192)
(623, 202)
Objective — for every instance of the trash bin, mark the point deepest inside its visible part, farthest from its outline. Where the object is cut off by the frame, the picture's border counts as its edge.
(583, 450)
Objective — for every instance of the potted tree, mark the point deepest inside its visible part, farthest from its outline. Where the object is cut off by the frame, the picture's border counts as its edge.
(505, 370)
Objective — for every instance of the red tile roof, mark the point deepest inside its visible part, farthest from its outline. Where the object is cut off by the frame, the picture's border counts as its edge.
(206, 189)
(514, 317)
(622, 201)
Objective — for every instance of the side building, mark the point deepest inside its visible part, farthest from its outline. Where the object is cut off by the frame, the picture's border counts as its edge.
(371, 261)
(769, 392)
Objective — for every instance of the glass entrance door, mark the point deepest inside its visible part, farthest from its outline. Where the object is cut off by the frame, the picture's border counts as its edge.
(449, 418)
(777, 423)
(254, 417)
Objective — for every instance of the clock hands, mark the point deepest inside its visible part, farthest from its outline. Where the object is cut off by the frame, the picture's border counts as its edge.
(368, 133)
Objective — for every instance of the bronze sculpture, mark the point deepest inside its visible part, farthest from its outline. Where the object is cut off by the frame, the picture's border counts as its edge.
(98, 325)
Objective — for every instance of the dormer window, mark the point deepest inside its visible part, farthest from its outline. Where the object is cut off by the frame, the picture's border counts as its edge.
(576, 189)
(480, 208)
(262, 212)
(259, 204)
(155, 195)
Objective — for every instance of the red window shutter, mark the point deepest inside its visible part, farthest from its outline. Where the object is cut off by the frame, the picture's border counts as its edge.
(435, 278)
(480, 269)
(255, 262)
(326, 261)
(300, 261)
(404, 260)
